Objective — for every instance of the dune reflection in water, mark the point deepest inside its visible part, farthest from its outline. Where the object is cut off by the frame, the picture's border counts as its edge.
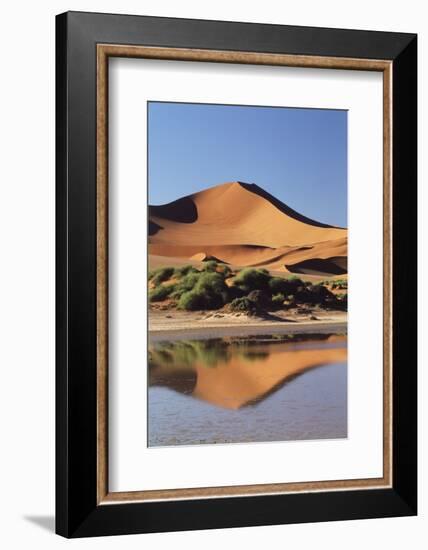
(240, 390)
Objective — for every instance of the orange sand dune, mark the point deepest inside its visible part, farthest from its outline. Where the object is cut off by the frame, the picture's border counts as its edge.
(241, 224)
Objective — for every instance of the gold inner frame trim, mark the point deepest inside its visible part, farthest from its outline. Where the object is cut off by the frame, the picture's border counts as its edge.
(104, 51)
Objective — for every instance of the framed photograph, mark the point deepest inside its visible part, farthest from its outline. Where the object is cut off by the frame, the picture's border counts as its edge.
(236, 274)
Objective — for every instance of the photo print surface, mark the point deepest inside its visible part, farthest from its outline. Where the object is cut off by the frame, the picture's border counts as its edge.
(247, 274)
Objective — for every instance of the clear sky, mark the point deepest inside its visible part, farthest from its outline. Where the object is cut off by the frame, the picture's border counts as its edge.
(297, 155)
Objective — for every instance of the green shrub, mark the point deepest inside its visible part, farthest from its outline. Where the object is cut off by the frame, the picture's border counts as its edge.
(340, 284)
(188, 282)
(278, 299)
(224, 269)
(243, 304)
(278, 285)
(261, 298)
(160, 275)
(184, 270)
(281, 285)
(252, 279)
(342, 301)
(160, 293)
(209, 292)
(235, 292)
(315, 294)
(192, 300)
(211, 282)
(210, 265)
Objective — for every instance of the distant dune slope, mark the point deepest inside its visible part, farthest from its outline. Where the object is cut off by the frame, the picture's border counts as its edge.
(243, 225)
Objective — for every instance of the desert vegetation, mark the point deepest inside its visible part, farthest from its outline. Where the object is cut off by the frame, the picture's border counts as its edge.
(252, 291)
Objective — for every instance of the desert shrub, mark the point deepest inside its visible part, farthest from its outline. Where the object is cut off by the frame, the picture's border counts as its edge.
(236, 292)
(285, 286)
(278, 299)
(184, 270)
(194, 300)
(341, 301)
(340, 284)
(313, 295)
(209, 292)
(260, 298)
(188, 282)
(210, 265)
(211, 281)
(305, 296)
(276, 285)
(252, 279)
(160, 293)
(160, 275)
(320, 291)
(224, 269)
(191, 300)
(243, 304)
(317, 294)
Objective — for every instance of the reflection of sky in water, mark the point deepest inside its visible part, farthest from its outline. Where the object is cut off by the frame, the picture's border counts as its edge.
(307, 403)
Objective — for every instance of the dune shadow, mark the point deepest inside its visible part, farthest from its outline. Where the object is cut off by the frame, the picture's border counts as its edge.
(320, 266)
(253, 188)
(182, 210)
(153, 228)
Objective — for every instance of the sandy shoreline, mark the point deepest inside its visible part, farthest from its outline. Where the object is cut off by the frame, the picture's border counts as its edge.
(189, 326)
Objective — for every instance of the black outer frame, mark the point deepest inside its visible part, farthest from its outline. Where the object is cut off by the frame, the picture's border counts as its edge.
(77, 513)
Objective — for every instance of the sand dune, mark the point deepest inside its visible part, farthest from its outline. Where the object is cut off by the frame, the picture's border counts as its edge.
(241, 224)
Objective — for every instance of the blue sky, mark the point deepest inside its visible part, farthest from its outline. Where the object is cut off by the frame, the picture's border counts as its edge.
(297, 155)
